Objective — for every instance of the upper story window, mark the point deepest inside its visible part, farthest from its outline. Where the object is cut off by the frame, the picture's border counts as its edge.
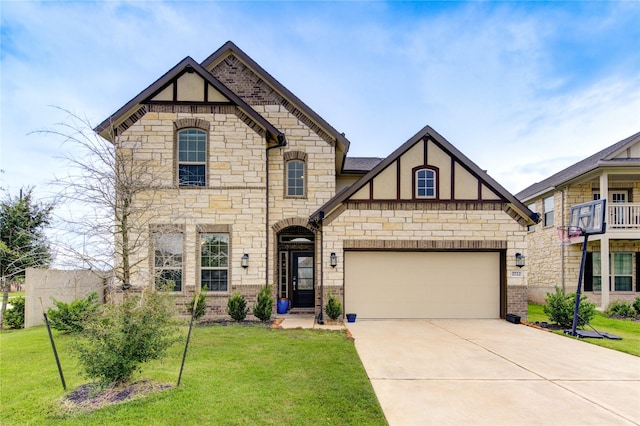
(548, 211)
(425, 183)
(532, 207)
(295, 178)
(192, 157)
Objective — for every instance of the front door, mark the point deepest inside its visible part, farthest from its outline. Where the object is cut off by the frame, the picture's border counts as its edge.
(302, 279)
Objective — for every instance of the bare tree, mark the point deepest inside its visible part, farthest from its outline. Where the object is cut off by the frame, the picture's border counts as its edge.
(112, 191)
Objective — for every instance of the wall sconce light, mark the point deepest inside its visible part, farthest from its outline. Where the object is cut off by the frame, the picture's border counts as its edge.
(333, 260)
(244, 262)
(519, 260)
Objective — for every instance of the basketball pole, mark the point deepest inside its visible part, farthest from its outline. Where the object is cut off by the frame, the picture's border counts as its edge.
(580, 276)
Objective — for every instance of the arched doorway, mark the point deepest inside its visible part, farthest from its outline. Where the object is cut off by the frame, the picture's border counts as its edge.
(296, 266)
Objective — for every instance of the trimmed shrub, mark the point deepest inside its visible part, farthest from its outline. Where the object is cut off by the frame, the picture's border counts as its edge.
(636, 305)
(116, 343)
(14, 317)
(70, 317)
(201, 306)
(333, 309)
(264, 304)
(560, 306)
(620, 308)
(237, 306)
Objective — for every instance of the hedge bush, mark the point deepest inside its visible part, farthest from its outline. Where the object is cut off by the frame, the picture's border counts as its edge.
(237, 306)
(560, 308)
(264, 304)
(115, 344)
(333, 308)
(14, 317)
(70, 317)
(620, 308)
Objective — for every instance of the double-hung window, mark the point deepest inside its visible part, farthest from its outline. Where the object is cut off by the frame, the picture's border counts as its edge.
(295, 178)
(532, 207)
(425, 183)
(547, 204)
(214, 261)
(192, 157)
(168, 250)
(621, 271)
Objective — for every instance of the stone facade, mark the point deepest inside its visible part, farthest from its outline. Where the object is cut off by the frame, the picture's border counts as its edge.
(240, 109)
(552, 264)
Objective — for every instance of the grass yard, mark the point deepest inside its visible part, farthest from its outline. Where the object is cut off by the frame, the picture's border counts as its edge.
(234, 375)
(627, 329)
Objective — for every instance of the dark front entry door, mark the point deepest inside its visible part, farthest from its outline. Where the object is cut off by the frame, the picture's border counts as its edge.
(302, 279)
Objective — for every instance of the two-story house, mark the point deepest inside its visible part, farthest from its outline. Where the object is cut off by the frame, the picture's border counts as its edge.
(257, 189)
(613, 260)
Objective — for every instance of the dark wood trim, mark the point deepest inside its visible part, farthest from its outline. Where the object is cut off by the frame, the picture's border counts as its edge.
(452, 179)
(398, 178)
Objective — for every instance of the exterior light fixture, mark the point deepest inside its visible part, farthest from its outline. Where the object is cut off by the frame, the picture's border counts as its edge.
(519, 260)
(333, 260)
(244, 262)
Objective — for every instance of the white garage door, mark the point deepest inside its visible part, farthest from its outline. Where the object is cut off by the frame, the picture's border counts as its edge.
(422, 284)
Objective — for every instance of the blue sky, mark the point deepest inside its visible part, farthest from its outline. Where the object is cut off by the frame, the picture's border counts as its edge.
(523, 89)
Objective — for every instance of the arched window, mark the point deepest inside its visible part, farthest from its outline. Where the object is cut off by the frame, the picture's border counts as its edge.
(192, 157)
(295, 178)
(425, 183)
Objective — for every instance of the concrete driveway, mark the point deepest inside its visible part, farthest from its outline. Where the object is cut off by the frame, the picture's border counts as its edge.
(491, 372)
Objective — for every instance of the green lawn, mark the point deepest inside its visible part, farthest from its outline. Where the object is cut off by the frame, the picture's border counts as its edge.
(234, 375)
(627, 329)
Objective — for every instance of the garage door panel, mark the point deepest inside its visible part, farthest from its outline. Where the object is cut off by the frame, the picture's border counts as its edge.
(422, 284)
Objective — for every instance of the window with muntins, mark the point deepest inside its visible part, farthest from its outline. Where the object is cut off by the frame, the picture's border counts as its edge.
(295, 178)
(548, 211)
(168, 253)
(214, 261)
(425, 183)
(192, 157)
(621, 271)
(532, 207)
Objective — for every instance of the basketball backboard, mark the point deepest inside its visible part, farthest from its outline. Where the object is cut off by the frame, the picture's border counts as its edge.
(589, 217)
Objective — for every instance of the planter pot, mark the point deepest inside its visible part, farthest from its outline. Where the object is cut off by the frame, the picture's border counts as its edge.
(283, 306)
(351, 317)
(512, 318)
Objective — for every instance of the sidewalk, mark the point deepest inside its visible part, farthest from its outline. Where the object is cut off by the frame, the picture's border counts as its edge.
(305, 321)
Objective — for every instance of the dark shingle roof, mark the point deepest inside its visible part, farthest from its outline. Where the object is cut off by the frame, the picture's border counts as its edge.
(582, 167)
(360, 164)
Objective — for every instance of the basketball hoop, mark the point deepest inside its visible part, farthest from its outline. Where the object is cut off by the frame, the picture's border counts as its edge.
(569, 234)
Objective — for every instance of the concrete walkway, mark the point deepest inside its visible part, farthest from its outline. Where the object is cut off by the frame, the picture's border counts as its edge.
(491, 372)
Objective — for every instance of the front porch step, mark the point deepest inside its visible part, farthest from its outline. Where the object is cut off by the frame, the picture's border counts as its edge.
(301, 311)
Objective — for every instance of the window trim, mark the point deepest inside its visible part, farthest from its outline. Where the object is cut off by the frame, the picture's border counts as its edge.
(192, 163)
(201, 268)
(436, 186)
(613, 274)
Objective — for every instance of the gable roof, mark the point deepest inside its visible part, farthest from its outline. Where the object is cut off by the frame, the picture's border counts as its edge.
(134, 109)
(608, 157)
(229, 48)
(428, 132)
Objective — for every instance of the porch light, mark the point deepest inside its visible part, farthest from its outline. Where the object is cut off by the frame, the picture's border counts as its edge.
(244, 262)
(519, 260)
(333, 260)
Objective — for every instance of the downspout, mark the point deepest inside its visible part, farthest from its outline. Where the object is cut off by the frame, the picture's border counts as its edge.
(318, 224)
(282, 141)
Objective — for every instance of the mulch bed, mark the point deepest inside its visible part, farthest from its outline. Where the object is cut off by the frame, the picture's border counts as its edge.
(91, 396)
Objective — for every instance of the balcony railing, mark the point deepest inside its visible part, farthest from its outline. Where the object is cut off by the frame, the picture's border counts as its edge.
(623, 216)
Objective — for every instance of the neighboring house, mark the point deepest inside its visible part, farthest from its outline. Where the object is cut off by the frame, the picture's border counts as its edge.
(259, 190)
(613, 257)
